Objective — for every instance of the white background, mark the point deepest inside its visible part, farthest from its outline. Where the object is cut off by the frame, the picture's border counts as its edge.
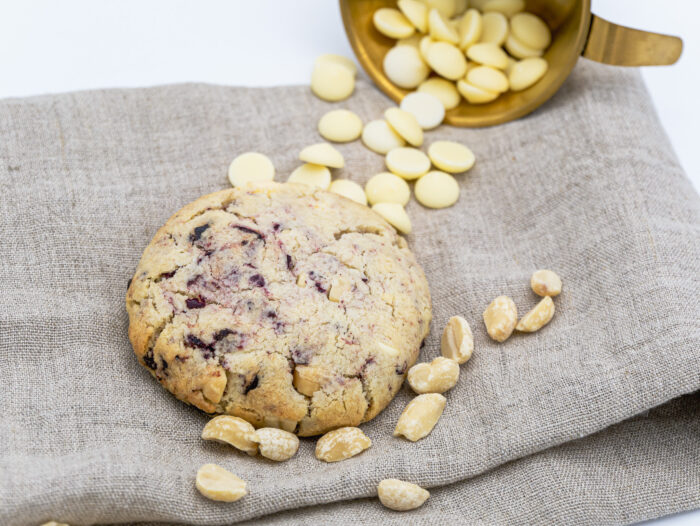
(50, 46)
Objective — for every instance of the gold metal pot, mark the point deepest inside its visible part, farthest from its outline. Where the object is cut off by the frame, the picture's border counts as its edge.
(575, 32)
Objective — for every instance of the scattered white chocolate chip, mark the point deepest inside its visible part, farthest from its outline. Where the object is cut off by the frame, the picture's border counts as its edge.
(398, 495)
(420, 416)
(392, 23)
(416, 12)
(349, 189)
(437, 190)
(408, 163)
(405, 125)
(530, 30)
(443, 89)
(488, 78)
(322, 153)
(470, 27)
(233, 431)
(451, 157)
(426, 108)
(438, 376)
(404, 66)
(475, 95)
(332, 81)
(340, 126)
(341, 443)
(379, 137)
(526, 72)
(395, 215)
(217, 483)
(540, 315)
(447, 60)
(494, 28)
(386, 187)
(337, 59)
(250, 167)
(457, 341)
(440, 29)
(277, 444)
(500, 318)
(545, 283)
(488, 54)
(311, 175)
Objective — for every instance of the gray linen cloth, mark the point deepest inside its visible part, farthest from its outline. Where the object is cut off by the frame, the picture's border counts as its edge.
(587, 185)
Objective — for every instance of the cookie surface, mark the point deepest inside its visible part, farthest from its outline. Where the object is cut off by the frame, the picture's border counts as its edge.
(284, 305)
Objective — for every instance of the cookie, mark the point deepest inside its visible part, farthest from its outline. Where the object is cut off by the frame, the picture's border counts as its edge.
(282, 304)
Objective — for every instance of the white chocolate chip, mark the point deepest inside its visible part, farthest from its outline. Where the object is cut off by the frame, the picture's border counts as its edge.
(405, 125)
(446, 8)
(392, 23)
(424, 46)
(250, 167)
(386, 187)
(494, 28)
(342, 443)
(233, 431)
(488, 54)
(437, 190)
(438, 376)
(519, 50)
(545, 283)
(420, 416)
(277, 444)
(451, 157)
(475, 95)
(217, 483)
(337, 59)
(527, 72)
(457, 342)
(395, 215)
(311, 175)
(469, 28)
(404, 66)
(488, 78)
(409, 163)
(440, 29)
(340, 126)
(540, 315)
(323, 154)
(500, 318)
(332, 81)
(349, 189)
(507, 7)
(427, 109)
(447, 60)
(530, 30)
(401, 496)
(443, 89)
(413, 40)
(379, 137)
(416, 12)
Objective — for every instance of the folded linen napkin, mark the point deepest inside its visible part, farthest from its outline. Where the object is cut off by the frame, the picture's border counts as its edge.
(587, 185)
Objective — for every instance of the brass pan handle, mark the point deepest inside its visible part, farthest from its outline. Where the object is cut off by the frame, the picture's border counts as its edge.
(623, 46)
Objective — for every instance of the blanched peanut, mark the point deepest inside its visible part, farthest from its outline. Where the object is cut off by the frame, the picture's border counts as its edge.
(401, 496)
(420, 416)
(500, 318)
(538, 317)
(545, 283)
(457, 341)
(438, 376)
(307, 379)
(341, 443)
(277, 444)
(233, 431)
(217, 483)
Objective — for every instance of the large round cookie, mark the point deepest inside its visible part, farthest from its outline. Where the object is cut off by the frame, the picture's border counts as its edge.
(284, 305)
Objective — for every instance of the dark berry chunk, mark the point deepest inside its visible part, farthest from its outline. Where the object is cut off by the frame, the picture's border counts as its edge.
(195, 303)
(252, 385)
(290, 264)
(222, 334)
(197, 233)
(401, 369)
(193, 341)
(257, 280)
(249, 231)
(149, 361)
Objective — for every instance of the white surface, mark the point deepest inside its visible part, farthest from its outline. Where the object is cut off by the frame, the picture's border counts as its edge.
(49, 46)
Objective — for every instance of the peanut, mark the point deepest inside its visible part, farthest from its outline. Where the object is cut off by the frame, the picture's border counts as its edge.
(438, 376)
(401, 496)
(339, 286)
(420, 416)
(500, 318)
(233, 431)
(457, 341)
(276, 444)
(545, 283)
(341, 443)
(217, 483)
(307, 379)
(538, 317)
